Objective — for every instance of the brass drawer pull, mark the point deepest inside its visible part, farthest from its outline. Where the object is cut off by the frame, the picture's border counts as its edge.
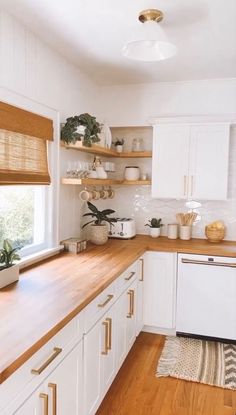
(109, 320)
(106, 341)
(142, 269)
(44, 396)
(109, 297)
(130, 276)
(57, 351)
(53, 386)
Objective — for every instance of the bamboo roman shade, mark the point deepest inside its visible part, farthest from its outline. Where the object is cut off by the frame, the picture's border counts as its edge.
(23, 146)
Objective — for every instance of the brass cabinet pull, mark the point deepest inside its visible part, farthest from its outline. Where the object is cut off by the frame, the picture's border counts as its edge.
(106, 325)
(129, 315)
(109, 297)
(185, 185)
(191, 185)
(44, 396)
(132, 302)
(130, 276)
(142, 269)
(109, 320)
(57, 351)
(53, 386)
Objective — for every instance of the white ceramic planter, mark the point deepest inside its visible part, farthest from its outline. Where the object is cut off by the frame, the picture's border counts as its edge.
(9, 275)
(119, 149)
(155, 232)
(98, 234)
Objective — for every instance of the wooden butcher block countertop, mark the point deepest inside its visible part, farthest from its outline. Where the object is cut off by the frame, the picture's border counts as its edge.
(51, 293)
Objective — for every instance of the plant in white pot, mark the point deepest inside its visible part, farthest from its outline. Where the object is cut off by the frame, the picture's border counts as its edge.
(99, 229)
(9, 271)
(155, 227)
(119, 144)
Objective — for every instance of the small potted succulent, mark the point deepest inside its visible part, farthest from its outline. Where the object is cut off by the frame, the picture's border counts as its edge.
(119, 144)
(9, 271)
(82, 128)
(98, 229)
(155, 227)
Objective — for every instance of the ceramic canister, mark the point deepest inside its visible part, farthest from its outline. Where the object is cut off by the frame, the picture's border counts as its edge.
(132, 173)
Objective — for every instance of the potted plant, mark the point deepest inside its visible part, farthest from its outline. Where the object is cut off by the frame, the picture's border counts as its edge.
(9, 271)
(99, 230)
(119, 144)
(155, 227)
(81, 127)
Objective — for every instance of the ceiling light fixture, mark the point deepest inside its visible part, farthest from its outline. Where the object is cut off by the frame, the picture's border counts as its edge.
(153, 44)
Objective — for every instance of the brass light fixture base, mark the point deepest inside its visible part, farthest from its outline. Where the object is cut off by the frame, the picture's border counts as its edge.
(151, 14)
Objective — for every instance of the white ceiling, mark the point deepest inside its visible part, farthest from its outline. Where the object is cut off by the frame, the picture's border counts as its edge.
(91, 33)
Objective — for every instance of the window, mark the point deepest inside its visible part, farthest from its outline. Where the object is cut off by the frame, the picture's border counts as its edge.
(28, 213)
(23, 217)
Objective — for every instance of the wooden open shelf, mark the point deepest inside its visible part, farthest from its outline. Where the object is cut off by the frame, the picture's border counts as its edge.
(103, 182)
(107, 152)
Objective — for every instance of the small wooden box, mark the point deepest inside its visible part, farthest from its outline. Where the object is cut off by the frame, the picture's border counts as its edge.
(74, 245)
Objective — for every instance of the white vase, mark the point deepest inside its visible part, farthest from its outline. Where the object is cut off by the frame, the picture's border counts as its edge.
(155, 232)
(9, 275)
(98, 234)
(119, 149)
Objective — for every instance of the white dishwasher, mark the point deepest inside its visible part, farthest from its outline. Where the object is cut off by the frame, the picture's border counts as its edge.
(206, 297)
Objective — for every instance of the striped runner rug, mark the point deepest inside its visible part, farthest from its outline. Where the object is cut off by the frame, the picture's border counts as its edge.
(203, 361)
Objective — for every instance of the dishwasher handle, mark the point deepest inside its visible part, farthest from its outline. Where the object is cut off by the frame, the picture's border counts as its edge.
(212, 263)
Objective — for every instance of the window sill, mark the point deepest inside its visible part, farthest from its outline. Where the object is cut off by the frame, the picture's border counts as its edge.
(39, 256)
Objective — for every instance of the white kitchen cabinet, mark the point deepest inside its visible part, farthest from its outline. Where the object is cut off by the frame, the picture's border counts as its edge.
(61, 392)
(159, 296)
(190, 161)
(99, 361)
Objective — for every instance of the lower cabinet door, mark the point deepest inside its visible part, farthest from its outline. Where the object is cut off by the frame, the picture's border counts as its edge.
(31, 406)
(139, 316)
(120, 310)
(159, 296)
(61, 393)
(64, 386)
(99, 362)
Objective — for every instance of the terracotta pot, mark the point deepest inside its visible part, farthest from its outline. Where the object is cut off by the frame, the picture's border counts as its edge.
(155, 232)
(98, 234)
(9, 275)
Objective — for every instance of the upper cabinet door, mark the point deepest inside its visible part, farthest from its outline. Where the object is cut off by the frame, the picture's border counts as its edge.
(209, 159)
(170, 161)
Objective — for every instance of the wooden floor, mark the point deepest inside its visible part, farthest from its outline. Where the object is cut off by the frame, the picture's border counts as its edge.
(136, 390)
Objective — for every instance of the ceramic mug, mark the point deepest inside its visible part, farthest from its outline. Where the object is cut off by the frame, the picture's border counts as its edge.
(95, 194)
(111, 193)
(104, 194)
(85, 195)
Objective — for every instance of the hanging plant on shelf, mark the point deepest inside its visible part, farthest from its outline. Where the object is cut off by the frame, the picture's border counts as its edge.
(81, 127)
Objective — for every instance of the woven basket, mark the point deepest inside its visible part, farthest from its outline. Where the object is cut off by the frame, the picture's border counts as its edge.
(214, 235)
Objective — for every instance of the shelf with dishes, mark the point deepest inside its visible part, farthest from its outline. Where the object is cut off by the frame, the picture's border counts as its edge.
(108, 152)
(103, 182)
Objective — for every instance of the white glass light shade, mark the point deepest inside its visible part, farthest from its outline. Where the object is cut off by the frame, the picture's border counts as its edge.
(152, 44)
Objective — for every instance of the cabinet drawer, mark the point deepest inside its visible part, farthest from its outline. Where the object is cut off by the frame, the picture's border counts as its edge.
(33, 371)
(94, 311)
(126, 278)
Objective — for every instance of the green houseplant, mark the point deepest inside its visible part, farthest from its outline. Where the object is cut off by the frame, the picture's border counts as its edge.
(98, 229)
(155, 227)
(119, 142)
(9, 271)
(83, 126)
